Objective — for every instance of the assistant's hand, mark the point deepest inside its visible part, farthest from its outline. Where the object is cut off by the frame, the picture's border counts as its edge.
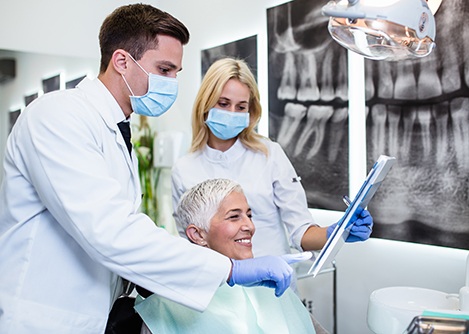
(361, 228)
(270, 271)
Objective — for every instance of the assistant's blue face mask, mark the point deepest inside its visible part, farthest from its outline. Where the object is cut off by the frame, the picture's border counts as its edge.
(226, 124)
(162, 92)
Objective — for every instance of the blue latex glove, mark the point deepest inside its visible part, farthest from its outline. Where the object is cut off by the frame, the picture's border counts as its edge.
(360, 230)
(270, 271)
(297, 257)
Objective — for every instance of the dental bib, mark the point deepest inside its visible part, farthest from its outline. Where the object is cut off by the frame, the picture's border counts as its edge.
(232, 310)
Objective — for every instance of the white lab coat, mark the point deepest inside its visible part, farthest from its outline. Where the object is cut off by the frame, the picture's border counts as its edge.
(271, 185)
(69, 222)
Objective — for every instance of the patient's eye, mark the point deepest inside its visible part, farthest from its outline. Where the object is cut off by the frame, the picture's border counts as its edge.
(237, 214)
(233, 217)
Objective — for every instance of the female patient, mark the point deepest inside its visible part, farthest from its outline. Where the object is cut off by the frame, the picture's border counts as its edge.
(215, 214)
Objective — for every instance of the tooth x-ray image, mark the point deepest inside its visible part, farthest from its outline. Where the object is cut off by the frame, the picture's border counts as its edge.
(245, 49)
(308, 107)
(418, 111)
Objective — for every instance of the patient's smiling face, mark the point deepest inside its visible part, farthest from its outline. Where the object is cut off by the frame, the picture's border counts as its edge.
(231, 228)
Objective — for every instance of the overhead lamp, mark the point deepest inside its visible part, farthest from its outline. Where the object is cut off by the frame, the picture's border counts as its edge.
(383, 29)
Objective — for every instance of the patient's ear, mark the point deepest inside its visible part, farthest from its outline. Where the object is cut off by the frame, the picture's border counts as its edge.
(196, 235)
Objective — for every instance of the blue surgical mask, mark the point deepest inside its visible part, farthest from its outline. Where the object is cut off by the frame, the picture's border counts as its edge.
(226, 124)
(162, 92)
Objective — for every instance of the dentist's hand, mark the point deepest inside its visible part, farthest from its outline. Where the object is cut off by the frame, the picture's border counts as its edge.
(360, 230)
(270, 271)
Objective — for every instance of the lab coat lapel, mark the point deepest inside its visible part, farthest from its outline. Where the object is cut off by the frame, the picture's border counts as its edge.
(104, 102)
(135, 178)
(131, 159)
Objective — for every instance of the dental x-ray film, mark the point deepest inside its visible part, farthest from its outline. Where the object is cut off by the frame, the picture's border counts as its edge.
(337, 238)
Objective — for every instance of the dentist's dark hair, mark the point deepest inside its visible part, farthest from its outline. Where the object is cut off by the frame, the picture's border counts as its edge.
(135, 29)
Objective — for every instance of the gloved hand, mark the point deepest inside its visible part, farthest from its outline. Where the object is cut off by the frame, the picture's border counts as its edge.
(361, 228)
(270, 271)
(297, 257)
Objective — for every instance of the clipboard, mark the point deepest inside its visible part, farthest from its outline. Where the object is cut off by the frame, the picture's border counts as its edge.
(337, 238)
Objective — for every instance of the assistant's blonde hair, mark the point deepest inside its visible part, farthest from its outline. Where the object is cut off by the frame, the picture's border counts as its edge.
(210, 91)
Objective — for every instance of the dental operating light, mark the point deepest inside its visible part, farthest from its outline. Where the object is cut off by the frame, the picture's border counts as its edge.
(382, 29)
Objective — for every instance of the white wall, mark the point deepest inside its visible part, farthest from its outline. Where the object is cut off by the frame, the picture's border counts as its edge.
(53, 26)
(31, 68)
(63, 27)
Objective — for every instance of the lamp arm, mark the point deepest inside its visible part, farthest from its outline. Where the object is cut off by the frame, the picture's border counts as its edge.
(332, 9)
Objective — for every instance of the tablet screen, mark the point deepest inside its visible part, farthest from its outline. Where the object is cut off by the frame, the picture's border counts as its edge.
(359, 203)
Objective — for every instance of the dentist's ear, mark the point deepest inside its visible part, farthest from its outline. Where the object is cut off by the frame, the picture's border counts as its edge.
(119, 60)
(196, 235)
